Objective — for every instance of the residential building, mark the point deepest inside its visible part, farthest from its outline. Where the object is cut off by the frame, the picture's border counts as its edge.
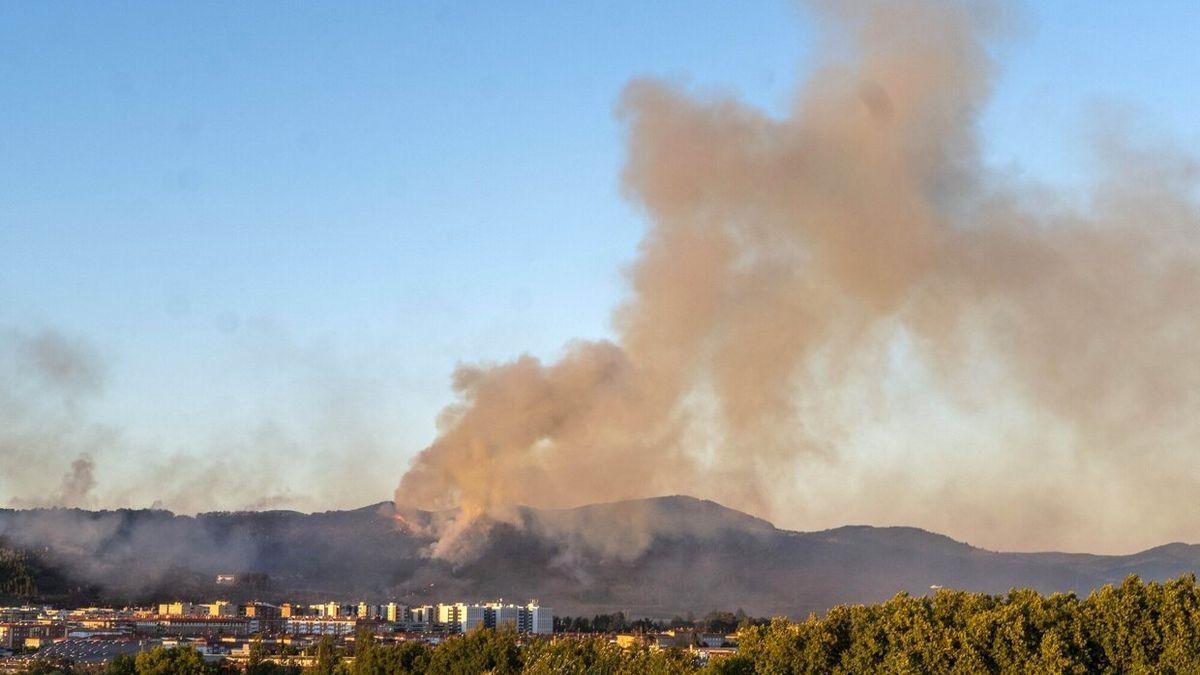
(537, 619)
(200, 626)
(500, 614)
(318, 625)
(18, 634)
(471, 617)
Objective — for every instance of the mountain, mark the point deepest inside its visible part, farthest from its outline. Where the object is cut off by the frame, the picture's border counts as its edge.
(653, 557)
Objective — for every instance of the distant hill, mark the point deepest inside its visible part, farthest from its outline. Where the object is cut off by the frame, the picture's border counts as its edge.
(653, 557)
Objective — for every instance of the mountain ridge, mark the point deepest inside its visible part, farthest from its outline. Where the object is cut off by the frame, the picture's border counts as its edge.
(655, 557)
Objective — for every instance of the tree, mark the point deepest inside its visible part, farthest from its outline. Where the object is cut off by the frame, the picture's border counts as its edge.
(122, 664)
(720, 622)
(255, 653)
(327, 658)
(52, 667)
(171, 661)
(481, 651)
(572, 657)
(374, 659)
(16, 575)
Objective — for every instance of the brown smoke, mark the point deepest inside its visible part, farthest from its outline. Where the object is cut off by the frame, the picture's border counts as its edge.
(845, 316)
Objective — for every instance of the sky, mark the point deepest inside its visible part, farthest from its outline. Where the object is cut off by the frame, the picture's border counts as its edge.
(277, 228)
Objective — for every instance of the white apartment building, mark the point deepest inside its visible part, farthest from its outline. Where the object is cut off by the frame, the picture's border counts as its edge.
(531, 618)
(538, 620)
(504, 615)
(472, 617)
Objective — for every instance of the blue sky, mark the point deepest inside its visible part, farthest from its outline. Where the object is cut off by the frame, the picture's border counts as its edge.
(257, 213)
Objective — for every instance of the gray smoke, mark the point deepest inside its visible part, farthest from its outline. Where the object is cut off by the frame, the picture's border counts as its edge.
(57, 448)
(46, 382)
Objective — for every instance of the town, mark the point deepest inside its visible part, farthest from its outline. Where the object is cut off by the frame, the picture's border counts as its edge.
(224, 630)
(287, 634)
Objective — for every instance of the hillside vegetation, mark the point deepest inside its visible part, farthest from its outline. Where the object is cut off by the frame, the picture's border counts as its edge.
(16, 576)
(1134, 627)
(650, 557)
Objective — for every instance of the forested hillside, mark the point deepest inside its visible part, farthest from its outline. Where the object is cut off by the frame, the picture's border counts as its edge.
(16, 577)
(25, 577)
(652, 557)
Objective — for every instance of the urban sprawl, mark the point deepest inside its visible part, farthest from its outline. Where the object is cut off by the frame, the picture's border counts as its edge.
(226, 631)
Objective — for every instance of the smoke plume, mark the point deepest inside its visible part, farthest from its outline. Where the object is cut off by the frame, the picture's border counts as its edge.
(78, 482)
(844, 315)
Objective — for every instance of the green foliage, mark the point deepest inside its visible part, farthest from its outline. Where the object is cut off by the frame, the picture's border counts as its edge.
(123, 664)
(573, 656)
(480, 651)
(44, 667)
(404, 658)
(256, 663)
(1131, 628)
(171, 661)
(721, 622)
(329, 657)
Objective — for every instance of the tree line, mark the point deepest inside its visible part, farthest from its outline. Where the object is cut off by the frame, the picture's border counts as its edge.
(1133, 627)
(713, 622)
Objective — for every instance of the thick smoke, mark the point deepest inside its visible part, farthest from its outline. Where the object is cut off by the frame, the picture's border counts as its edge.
(845, 316)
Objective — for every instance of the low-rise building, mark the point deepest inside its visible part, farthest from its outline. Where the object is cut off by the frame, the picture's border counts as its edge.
(204, 626)
(19, 634)
(22, 613)
(220, 608)
(319, 625)
(92, 651)
(259, 610)
(180, 609)
(288, 610)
